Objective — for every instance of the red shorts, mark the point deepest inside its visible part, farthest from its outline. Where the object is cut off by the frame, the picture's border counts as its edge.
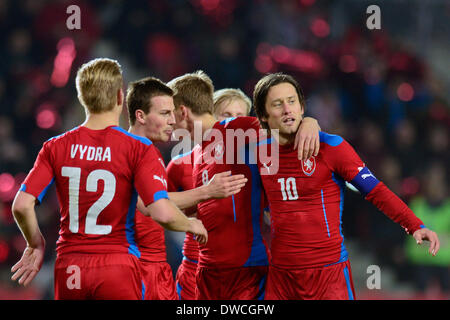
(98, 276)
(323, 283)
(158, 281)
(185, 280)
(243, 283)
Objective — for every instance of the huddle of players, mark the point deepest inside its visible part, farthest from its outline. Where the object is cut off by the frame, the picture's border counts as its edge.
(224, 253)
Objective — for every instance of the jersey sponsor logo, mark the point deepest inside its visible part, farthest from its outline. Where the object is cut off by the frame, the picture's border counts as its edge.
(309, 166)
(162, 162)
(163, 181)
(267, 167)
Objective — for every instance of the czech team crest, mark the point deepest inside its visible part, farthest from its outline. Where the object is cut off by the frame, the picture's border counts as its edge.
(309, 166)
(218, 150)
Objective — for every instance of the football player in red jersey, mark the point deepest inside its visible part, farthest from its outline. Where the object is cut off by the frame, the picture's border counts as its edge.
(234, 266)
(98, 169)
(151, 114)
(226, 103)
(231, 103)
(309, 259)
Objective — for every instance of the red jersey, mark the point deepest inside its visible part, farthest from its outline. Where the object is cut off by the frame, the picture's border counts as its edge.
(98, 175)
(233, 223)
(306, 200)
(150, 236)
(179, 173)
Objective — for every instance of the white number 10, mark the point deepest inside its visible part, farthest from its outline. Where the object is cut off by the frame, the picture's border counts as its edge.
(109, 190)
(288, 188)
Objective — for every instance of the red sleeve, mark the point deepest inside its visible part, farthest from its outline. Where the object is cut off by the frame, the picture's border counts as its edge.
(342, 158)
(345, 161)
(392, 206)
(41, 176)
(150, 177)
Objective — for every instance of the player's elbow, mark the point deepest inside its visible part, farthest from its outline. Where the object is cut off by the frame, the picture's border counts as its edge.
(164, 219)
(161, 211)
(22, 204)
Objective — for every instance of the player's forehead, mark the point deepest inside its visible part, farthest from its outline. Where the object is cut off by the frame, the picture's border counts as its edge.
(233, 106)
(281, 91)
(161, 103)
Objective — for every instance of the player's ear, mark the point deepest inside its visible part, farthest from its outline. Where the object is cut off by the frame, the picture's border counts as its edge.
(140, 116)
(184, 112)
(119, 97)
(263, 119)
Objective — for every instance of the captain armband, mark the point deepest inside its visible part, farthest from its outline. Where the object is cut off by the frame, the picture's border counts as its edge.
(365, 181)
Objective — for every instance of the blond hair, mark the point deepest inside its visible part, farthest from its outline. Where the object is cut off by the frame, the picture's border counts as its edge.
(230, 94)
(195, 91)
(97, 84)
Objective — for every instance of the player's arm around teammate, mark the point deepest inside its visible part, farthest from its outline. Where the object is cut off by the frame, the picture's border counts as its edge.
(222, 185)
(166, 213)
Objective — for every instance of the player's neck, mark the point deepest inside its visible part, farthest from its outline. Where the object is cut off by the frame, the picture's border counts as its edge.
(137, 130)
(284, 140)
(99, 121)
(208, 122)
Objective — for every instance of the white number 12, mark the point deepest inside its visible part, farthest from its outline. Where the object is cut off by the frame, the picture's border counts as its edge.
(93, 212)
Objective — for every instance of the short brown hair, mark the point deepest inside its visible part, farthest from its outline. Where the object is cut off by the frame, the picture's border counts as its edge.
(195, 91)
(262, 88)
(230, 94)
(140, 92)
(97, 83)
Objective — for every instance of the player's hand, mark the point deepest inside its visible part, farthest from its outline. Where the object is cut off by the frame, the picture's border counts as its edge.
(223, 185)
(307, 139)
(29, 265)
(427, 234)
(199, 231)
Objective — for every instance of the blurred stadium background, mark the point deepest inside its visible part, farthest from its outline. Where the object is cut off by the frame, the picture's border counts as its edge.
(386, 91)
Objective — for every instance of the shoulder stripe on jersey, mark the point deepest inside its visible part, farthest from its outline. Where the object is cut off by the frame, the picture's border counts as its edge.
(227, 120)
(62, 134)
(330, 139)
(144, 140)
(265, 141)
(182, 155)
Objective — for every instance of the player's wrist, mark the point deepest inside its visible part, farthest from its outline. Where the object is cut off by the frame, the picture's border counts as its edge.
(206, 192)
(36, 241)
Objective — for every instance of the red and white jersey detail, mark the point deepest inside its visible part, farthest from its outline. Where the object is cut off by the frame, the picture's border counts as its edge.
(98, 175)
(150, 237)
(306, 200)
(179, 173)
(233, 223)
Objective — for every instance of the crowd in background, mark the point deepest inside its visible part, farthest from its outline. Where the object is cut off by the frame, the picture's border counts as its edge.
(373, 87)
